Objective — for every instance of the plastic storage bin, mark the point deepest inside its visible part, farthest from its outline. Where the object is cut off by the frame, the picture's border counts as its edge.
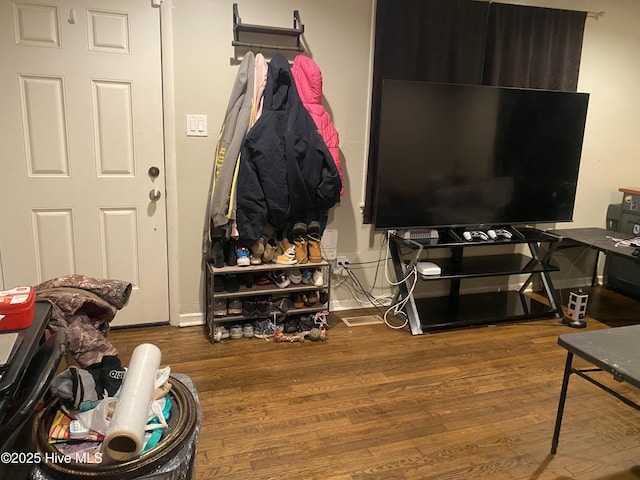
(17, 308)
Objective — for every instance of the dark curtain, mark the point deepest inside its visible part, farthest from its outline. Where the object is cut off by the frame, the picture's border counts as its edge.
(473, 42)
(533, 47)
(425, 40)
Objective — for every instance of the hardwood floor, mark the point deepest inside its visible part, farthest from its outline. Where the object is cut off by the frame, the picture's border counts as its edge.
(376, 403)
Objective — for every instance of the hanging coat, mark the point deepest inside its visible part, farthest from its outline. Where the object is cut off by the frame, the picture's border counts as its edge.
(286, 170)
(308, 78)
(234, 127)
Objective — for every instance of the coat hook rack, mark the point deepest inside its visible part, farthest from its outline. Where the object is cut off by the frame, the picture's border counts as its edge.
(240, 28)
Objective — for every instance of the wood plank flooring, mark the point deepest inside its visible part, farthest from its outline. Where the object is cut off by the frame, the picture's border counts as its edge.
(376, 403)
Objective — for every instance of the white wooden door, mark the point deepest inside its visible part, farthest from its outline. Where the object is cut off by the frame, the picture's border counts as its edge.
(80, 127)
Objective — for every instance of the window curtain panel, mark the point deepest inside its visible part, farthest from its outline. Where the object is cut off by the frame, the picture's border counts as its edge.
(424, 40)
(533, 47)
(472, 42)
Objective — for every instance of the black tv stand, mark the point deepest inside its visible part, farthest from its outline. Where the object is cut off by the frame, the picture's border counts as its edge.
(460, 309)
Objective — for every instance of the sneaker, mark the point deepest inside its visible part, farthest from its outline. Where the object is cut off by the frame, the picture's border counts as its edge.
(318, 279)
(315, 249)
(243, 257)
(288, 256)
(263, 329)
(219, 307)
(290, 325)
(263, 307)
(294, 275)
(270, 249)
(249, 307)
(220, 333)
(301, 253)
(234, 307)
(279, 278)
(247, 330)
(306, 322)
(307, 276)
(282, 304)
(235, 332)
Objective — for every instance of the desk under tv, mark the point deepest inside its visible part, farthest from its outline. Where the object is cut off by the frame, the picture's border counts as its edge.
(462, 309)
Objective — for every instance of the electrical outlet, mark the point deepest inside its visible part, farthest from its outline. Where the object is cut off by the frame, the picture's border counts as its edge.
(342, 261)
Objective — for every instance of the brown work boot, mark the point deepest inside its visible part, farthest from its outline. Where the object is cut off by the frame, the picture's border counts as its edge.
(301, 250)
(315, 250)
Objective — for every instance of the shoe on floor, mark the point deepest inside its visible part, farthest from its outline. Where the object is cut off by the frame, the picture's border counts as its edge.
(220, 333)
(247, 330)
(235, 332)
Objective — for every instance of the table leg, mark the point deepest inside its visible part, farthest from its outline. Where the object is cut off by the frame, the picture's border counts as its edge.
(563, 395)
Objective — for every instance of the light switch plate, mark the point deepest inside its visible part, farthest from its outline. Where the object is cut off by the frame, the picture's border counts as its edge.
(197, 126)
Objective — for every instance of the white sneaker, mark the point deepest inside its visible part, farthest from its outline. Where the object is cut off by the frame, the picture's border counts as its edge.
(288, 255)
(318, 279)
(294, 275)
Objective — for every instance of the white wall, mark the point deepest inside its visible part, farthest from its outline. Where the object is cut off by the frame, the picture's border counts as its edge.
(338, 34)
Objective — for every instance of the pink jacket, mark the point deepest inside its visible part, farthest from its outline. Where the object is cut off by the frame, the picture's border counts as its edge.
(308, 78)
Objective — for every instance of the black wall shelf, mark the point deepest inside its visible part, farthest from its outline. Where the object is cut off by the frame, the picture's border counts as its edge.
(240, 28)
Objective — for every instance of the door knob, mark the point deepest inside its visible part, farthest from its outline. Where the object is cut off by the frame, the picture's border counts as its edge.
(155, 195)
(154, 172)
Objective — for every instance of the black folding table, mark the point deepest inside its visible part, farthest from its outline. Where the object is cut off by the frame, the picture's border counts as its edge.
(612, 350)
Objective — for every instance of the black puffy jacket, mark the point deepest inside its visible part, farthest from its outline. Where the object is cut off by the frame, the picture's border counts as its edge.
(286, 170)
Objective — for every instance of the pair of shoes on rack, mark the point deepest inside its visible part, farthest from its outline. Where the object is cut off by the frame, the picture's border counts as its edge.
(263, 250)
(306, 239)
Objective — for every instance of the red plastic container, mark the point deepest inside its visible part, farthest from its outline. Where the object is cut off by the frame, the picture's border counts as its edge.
(17, 308)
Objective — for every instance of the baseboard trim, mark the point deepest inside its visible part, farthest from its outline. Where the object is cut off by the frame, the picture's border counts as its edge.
(191, 319)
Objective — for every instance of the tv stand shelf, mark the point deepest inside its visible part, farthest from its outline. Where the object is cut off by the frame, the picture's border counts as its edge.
(458, 309)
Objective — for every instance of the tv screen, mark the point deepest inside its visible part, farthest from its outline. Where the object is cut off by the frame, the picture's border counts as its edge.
(452, 155)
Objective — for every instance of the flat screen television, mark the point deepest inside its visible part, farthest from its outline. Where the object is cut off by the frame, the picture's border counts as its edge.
(452, 155)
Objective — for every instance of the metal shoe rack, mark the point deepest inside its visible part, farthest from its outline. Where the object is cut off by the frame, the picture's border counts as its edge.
(261, 291)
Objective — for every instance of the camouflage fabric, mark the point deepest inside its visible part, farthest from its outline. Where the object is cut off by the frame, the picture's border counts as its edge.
(84, 307)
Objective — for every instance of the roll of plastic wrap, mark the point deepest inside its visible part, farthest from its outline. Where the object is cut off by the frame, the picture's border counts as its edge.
(125, 436)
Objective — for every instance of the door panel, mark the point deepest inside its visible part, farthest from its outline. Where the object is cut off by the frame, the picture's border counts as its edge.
(81, 125)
